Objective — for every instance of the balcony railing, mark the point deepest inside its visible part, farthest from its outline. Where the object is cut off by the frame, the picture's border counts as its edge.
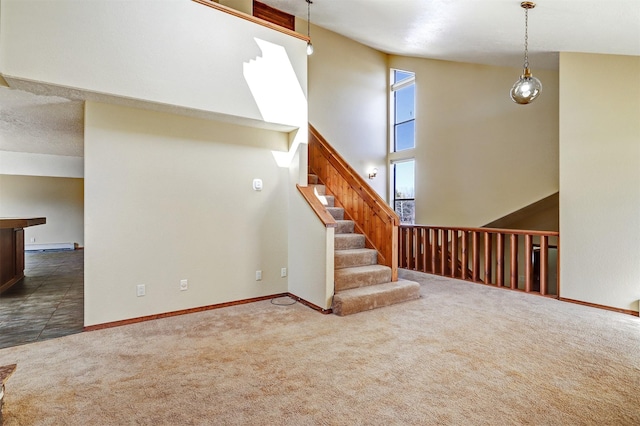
(506, 258)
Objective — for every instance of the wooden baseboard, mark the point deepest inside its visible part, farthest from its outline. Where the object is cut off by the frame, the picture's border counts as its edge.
(181, 312)
(310, 305)
(595, 305)
(201, 309)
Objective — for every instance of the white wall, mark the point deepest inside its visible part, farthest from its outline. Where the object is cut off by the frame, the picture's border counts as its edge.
(600, 179)
(166, 52)
(170, 198)
(311, 247)
(479, 156)
(348, 100)
(60, 200)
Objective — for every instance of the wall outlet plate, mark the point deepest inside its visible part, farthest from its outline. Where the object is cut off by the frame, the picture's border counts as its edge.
(258, 275)
(184, 285)
(283, 272)
(140, 290)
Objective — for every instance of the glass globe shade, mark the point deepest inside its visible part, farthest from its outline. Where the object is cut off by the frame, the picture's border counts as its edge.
(309, 48)
(526, 89)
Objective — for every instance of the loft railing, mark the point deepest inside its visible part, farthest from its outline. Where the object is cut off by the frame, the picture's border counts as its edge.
(506, 258)
(373, 217)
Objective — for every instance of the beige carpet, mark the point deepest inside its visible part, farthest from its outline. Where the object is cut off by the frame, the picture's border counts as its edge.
(463, 354)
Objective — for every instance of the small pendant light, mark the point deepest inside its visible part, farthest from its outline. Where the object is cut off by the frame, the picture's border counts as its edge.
(527, 88)
(309, 45)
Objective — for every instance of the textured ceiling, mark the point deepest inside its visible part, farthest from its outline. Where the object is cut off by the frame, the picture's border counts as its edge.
(40, 124)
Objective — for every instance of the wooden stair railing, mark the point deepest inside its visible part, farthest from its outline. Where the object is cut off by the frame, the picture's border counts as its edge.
(372, 216)
(479, 255)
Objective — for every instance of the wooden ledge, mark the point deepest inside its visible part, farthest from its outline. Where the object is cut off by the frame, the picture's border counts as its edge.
(253, 19)
(318, 208)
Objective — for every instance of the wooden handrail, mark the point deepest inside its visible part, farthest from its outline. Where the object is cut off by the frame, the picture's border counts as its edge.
(437, 250)
(253, 19)
(372, 216)
(315, 204)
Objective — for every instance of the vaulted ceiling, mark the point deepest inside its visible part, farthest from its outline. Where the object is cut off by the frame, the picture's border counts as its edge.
(477, 31)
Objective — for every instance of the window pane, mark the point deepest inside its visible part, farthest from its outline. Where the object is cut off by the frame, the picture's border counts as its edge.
(405, 135)
(406, 211)
(405, 104)
(401, 75)
(405, 179)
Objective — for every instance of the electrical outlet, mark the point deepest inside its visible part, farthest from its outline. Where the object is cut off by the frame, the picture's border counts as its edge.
(33, 239)
(184, 285)
(283, 272)
(258, 275)
(140, 290)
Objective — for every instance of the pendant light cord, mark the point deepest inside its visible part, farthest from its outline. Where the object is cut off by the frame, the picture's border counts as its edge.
(526, 38)
(309, 19)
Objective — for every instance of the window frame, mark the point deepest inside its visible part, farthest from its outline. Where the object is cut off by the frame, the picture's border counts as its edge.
(408, 154)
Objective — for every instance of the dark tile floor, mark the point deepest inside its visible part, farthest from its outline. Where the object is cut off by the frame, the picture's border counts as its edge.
(48, 303)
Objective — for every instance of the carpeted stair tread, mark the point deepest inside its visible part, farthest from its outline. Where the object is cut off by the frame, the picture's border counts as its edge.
(354, 257)
(348, 241)
(360, 276)
(345, 226)
(376, 296)
(336, 212)
(330, 199)
(319, 189)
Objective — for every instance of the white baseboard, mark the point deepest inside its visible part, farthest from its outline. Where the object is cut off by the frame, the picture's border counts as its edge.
(49, 246)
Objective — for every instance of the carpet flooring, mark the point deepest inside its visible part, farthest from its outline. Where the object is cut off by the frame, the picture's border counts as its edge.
(462, 354)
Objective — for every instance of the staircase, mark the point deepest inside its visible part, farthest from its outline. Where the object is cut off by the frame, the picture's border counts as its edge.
(361, 283)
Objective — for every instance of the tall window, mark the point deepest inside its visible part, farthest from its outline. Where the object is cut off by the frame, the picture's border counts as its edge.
(403, 142)
(403, 89)
(404, 194)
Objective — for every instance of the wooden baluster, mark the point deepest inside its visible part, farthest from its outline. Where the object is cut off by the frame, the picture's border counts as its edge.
(424, 249)
(454, 253)
(465, 255)
(427, 249)
(528, 262)
(444, 250)
(514, 262)
(412, 248)
(488, 258)
(500, 260)
(403, 248)
(434, 250)
(475, 262)
(558, 269)
(544, 264)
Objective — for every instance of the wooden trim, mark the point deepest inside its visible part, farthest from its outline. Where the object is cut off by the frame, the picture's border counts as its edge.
(180, 312)
(252, 19)
(318, 208)
(310, 305)
(595, 305)
(492, 230)
(273, 15)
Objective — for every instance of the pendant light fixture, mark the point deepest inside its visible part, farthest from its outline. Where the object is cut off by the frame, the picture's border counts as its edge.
(309, 45)
(527, 88)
